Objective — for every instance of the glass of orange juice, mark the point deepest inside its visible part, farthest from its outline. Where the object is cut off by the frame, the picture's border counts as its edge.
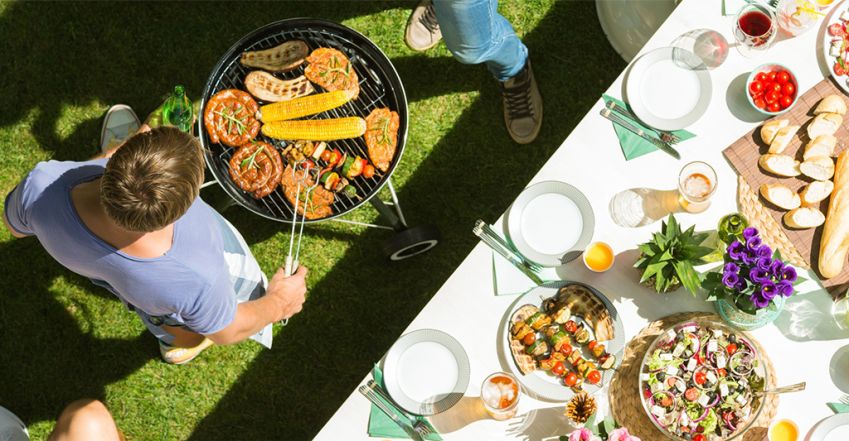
(783, 430)
(500, 395)
(599, 257)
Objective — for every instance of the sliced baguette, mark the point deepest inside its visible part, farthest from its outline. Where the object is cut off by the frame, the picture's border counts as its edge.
(824, 124)
(782, 139)
(781, 165)
(816, 192)
(803, 218)
(820, 168)
(822, 145)
(831, 104)
(781, 196)
(770, 129)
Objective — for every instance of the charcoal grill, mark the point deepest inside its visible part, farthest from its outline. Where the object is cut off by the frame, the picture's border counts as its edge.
(380, 86)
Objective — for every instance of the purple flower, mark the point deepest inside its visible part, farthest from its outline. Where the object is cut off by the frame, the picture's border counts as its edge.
(758, 276)
(753, 243)
(776, 268)
(730, 279)
(788, 273)
(759, 300)
(741, 285)
(784, 288)
(768, 290)
(749, 258)
(731, 267)
(749, 233)
(764, 263)
(735, 250)
(764, 251)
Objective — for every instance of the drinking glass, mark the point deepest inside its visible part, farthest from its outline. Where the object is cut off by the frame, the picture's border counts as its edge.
(500, 395)
(696, 184)
(840, 312)
(797, 16)
(754, 29)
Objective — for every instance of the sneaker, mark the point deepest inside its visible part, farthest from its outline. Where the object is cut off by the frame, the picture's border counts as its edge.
(176, 355)
(522, 105)
(119, 124)
(422, 28)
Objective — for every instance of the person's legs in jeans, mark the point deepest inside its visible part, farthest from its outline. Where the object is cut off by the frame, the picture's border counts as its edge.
(476, 33)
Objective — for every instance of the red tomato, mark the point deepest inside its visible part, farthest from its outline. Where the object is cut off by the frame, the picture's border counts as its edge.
(760, 77)
(699, 358)
(771, 76)
(760, 103)
(325, 155)
(838, 69)
(592, 344)
(771, 97)
(774, 107)
(700, 378)
(594, 377)
(722, 372)
(692, 394)
(368, 171)
(785, 102)
(529, 339)
(836, 29)
(570, 379)
(775, 87)
(788, 89)
(566, 349)
(782, 77)
(558, 368)
(756, 87)
(731, 348)
(699, 437)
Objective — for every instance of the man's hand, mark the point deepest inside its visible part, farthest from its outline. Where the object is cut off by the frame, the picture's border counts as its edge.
(288, 292)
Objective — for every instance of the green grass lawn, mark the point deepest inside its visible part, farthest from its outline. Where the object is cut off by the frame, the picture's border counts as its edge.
(61, 338)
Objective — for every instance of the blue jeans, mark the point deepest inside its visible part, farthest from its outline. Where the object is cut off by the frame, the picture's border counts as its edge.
(475, 33)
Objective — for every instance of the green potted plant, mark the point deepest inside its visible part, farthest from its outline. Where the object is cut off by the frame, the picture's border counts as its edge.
(669, 259)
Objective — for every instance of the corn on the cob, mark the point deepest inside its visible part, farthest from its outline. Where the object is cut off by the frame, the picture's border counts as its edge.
(316, 129)
(303, 106)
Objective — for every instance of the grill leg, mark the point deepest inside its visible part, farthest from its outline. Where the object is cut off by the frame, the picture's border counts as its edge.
(388, 214)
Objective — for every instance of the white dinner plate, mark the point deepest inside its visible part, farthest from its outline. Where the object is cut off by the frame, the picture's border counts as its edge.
(543, 384)
(833, 17)
(668, 88)
(833, 428)
(426, 372)
(551, 223)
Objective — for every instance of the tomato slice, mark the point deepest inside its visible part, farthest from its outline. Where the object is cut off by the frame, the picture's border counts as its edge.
(692, 394)
(700, 377)
(836, 29)
(838, 69)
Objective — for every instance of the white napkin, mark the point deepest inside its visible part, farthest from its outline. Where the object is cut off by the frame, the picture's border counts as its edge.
(508, 280)
(732, 7)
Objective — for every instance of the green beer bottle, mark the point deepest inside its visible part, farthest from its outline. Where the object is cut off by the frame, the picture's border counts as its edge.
(177, 110)
(731, 227)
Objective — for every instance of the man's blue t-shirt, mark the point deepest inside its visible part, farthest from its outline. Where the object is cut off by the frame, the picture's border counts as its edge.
(189, 284)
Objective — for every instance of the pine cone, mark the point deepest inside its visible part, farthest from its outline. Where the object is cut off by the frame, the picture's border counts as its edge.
(580, 408)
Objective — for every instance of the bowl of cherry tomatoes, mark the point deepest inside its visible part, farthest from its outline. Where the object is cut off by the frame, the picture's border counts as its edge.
(771, 89)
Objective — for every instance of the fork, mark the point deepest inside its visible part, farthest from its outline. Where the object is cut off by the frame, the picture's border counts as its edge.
(422, 428)
(667, 137)
(844, 399)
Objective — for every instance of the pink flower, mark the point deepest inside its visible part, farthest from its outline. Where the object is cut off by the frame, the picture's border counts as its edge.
(583, 434)
(621, 434)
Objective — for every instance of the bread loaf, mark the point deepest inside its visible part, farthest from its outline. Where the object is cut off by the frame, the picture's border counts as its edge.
(824, 124)
(835, 237)
(781, 165)
(831, 104)
(822, 145)
(781, 196)
(770, 129)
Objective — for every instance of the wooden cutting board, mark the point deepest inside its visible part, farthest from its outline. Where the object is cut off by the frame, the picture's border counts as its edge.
(744, 153)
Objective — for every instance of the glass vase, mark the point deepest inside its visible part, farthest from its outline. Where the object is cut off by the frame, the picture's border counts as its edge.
(745, 321)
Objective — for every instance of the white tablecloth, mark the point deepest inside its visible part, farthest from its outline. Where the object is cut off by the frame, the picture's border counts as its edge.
(803, 344)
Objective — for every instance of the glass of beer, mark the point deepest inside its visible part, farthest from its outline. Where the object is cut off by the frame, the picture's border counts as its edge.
(696, 184)
(500, 395)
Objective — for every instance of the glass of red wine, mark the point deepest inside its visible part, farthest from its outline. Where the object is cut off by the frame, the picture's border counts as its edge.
(754, 29)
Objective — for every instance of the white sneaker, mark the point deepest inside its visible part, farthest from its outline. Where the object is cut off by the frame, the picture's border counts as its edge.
(119, 124)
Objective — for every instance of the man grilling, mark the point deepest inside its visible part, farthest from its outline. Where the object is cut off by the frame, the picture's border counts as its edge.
(131, 221)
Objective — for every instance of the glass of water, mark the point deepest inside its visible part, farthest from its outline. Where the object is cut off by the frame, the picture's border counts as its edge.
(840, 312)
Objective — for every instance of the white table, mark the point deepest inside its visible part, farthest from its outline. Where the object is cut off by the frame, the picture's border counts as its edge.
(590, 159)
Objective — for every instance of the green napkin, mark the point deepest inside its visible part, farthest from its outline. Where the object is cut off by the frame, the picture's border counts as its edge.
(839, 407)
(632, 145)
(380, 425)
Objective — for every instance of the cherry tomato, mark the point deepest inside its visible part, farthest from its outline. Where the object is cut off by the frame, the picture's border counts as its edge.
(836, 29)
(774, 107)
(699, 358)
(594, 377)
(570, 379)
(368, 171)
(838, 69)
(782, 77)
(326, 155)
(700, 377)
(788, 89)
(756, 87)
(771, 76)
(592, 344)
(785, 102)
(558, 368)
(760, 103)
(722, 372)
(666, 400)
(775, 87)
(731, 348)
(692, 394)
(566, 349)
(529, 339)
(699, 437)
(771, 97)
(760, 77)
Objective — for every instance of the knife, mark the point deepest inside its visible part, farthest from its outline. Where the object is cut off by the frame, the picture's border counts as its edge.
(505, 253)
(666, 148)
(408, 428)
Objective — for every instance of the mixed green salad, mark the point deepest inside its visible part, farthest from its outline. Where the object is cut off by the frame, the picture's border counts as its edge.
(700, 382)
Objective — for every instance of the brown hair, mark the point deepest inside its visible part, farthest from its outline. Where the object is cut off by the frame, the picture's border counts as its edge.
(152, 179)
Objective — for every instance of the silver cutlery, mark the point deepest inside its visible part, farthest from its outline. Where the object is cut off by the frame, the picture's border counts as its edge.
(666, 148)
(844, 399)
(480, 230)
(665, 136)
(419, 426)
(375, 399)
(491, 233)
(784, 389)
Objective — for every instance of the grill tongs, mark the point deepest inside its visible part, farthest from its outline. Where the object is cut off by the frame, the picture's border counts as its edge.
(302, 180)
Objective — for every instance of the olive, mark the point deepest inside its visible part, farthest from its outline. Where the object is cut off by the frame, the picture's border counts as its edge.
(687, 436)
(660, 376)
(732, 338)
